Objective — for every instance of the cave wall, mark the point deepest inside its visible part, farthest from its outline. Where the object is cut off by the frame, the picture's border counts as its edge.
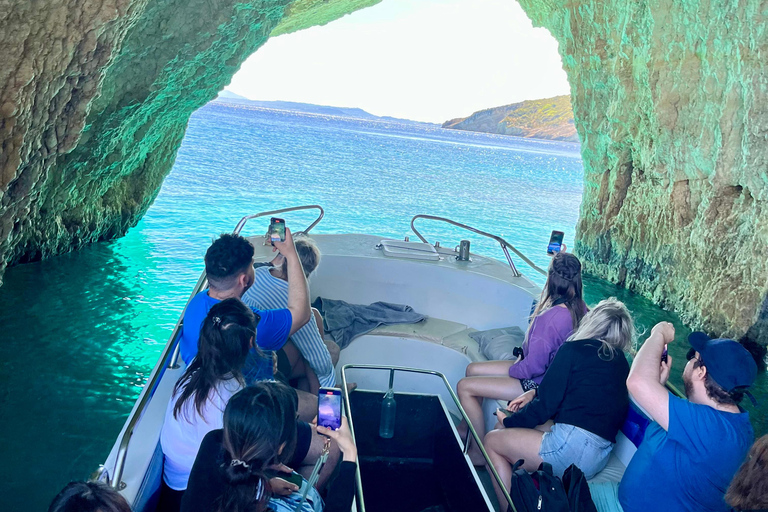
(669, 100)
(671, 105)
(95, 96)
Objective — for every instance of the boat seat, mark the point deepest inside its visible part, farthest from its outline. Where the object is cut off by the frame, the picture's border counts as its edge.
(444, 332)
(612, 472)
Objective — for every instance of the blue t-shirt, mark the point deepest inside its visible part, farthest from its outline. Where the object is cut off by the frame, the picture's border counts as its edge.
(271, 334)
(688, 467)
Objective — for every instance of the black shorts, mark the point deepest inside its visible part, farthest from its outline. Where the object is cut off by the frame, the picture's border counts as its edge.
(303, 442)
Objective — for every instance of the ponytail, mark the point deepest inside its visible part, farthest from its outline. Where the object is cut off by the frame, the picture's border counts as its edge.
(226, 336)
(259, 428)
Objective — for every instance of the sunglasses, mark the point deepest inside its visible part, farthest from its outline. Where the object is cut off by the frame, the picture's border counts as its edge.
(692, 355)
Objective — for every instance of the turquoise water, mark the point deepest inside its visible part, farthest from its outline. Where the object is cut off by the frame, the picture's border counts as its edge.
(82, 331)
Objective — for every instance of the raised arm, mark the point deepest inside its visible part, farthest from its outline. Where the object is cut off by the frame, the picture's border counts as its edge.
(298, 291)
(648, 374)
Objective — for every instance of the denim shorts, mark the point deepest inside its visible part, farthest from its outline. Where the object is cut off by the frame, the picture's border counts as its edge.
(565, 445)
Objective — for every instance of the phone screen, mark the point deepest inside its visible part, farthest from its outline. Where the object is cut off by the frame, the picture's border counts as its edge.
(277, 230)
(555, 241)
(329, 408)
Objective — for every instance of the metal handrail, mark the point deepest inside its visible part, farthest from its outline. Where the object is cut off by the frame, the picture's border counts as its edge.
(503, 243)
(470, 429)
(241, 224)
(146, 394)
(172, 350)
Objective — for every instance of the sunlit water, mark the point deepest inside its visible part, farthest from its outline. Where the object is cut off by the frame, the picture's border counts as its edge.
(81, 332)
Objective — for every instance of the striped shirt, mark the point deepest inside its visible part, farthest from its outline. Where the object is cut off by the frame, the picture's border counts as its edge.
(269, 292)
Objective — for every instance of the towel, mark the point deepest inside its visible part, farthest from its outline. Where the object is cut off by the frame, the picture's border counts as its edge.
(346, 322)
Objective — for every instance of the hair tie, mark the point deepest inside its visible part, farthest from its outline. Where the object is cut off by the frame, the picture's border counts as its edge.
(238, 462)
(216, 320)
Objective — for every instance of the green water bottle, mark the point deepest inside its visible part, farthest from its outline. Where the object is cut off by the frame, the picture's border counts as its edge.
(388, 409)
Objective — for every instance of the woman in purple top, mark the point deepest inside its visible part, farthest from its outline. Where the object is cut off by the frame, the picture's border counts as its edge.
(557, 314)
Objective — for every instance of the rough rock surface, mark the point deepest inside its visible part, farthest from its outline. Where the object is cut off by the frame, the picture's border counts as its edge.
(669, 101)
(549, 118)
(671, 104)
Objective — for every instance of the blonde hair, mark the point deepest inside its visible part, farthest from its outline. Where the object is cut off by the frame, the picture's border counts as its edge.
(610, 323)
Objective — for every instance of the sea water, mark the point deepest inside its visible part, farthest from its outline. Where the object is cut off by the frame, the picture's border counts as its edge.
(82, 331)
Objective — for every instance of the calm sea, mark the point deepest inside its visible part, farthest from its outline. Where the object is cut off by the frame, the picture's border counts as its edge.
(81, 332)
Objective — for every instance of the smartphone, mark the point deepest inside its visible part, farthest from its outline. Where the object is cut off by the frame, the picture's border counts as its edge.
(508, 413)
(329, 408)
(555, 242)
(277, 230)
(664, 355)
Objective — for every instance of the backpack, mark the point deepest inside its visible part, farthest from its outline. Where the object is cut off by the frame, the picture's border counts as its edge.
(540, 491)
(579, 497)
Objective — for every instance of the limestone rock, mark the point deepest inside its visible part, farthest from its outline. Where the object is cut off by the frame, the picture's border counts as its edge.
(670, 104)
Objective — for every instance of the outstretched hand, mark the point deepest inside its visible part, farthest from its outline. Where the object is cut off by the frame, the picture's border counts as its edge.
(286, 248)
(666, 330)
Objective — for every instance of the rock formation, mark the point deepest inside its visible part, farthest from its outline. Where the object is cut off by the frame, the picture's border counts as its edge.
(669, 101)
(550, 118)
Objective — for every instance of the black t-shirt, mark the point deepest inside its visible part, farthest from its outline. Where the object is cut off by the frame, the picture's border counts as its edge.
(581, 388)
(207, 483)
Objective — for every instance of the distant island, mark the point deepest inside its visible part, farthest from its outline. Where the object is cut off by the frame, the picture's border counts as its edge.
(550, 118)
(308, 108)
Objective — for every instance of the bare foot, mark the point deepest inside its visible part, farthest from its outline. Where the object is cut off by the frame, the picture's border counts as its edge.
(351, 386)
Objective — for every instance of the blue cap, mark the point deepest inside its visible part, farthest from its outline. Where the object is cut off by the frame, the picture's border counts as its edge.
(727, 361)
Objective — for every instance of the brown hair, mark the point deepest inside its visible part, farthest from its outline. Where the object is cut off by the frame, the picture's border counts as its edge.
(749, 487)
(564, 287)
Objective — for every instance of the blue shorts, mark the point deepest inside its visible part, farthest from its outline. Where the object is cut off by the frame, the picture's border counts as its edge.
(565, 445)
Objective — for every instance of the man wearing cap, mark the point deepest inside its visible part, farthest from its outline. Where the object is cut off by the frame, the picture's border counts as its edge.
(693, 447)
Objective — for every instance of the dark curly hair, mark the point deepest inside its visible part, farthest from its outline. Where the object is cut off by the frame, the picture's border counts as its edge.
(226, 258)
(88, 497)
(749, 488)
(715, 391)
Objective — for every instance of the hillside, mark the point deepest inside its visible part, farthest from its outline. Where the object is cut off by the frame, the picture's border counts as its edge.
(308, 108)
(550, 118)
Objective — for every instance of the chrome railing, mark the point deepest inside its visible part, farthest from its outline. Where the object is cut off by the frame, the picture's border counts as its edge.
(146, 394)
(505, 246)
(470, 430)
(241, 224)
(172, 351)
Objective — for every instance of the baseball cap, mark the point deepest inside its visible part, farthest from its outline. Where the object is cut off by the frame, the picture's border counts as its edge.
(729, 363)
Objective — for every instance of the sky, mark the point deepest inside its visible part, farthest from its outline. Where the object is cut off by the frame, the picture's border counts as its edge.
(426, 60)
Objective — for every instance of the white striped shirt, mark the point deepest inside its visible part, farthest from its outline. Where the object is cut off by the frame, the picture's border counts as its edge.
(269, 292)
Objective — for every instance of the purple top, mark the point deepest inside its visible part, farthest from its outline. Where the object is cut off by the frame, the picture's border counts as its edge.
(548, 331)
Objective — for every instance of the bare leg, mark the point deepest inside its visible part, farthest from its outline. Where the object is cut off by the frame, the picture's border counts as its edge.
(472, 390)
(307, 406)
(507, 446)
(488, 368)
(315, 449)
(334, 350)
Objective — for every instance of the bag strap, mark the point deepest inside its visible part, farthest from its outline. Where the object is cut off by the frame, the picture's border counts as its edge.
(546, 467)
(315, 474)
(517, 465)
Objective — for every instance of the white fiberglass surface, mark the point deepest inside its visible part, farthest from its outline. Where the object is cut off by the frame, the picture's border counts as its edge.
(462, 296)
(393, 351)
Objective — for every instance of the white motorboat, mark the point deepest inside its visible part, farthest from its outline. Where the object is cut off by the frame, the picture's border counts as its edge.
(459, 295)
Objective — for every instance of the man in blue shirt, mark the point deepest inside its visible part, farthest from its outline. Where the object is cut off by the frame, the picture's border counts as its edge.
(694, 447)
(229, 269)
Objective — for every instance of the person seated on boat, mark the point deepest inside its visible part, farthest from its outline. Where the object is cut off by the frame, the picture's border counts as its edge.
(270, 291)
(557, 314)
(749, 488)
(201, 394)
(236, 466)
(89, 497)
(693, 447)
(574, 415)
(229, 269)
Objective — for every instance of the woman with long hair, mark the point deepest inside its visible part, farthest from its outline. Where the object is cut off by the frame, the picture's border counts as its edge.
(749, 488)
(557, 314)
(88, 497)
(574, 415)
(236, 466)
(202, 392)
